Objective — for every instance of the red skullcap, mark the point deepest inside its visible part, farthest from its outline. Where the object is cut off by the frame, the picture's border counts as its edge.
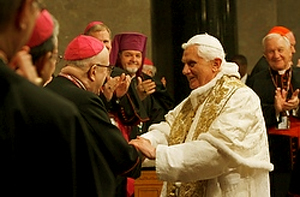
(148, 61)
(279, 30)
(127, 41)
(83, 47)
(90, 25)
(43, 29)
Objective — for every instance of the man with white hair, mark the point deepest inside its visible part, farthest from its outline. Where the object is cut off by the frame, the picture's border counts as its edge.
(278, 88)
(214, 142)
(277, 78)
(262, 63)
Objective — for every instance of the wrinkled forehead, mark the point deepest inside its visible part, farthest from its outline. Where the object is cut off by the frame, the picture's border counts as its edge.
(272, 42)
(190, 52)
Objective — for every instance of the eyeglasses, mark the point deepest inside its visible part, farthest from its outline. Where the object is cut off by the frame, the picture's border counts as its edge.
(109, 68)
(59, 58)
(56, 57)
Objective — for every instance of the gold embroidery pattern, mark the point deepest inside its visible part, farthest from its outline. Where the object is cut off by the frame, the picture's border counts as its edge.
(218, 98)
(184, 121)
(214, 101)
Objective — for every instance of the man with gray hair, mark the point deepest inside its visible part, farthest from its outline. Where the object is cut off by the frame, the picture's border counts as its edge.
(214, 143)
(278, 88)
(277, 78)
(262, 63)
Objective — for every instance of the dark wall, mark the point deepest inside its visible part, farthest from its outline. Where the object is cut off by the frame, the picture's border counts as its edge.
(256, 17)
(177, 21)
(125, 15)
(169, 23)
(162, 40)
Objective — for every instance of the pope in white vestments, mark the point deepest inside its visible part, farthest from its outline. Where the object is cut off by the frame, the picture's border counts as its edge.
(214, 143)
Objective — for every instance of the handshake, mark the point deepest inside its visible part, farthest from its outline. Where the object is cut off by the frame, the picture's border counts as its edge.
(145, 147)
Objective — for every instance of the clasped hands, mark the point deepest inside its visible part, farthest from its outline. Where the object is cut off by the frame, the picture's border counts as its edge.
(144, 145)
(282, 103)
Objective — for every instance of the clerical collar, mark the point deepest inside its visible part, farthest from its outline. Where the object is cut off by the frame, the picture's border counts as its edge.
(73, 79)
(282, 79)
(281, 72)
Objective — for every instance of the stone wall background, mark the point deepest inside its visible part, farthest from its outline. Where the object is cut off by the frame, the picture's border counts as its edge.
(254, 19)
(119, 16)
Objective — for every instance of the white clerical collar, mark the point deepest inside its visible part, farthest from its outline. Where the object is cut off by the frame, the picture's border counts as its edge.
(281, 72)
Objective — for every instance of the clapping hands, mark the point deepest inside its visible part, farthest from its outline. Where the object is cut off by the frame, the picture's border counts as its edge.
(145, 87)
(282, 104)
(118, 84)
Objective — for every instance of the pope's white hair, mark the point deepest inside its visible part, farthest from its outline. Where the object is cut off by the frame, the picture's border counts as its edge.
(208, 46)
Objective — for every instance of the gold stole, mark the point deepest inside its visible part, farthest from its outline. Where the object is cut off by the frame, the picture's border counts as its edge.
(214, 101)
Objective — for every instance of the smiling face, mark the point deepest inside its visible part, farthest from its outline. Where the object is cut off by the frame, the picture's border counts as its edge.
(131, 60)
(197, 70)
(278, 52)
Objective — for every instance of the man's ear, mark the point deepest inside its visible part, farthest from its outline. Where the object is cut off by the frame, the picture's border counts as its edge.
(91, 74)
(217, 64)
(42, 62)
(22, 18)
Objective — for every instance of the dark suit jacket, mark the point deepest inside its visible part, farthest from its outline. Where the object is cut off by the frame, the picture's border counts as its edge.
(43, 148)
(262, 84)
(148, 111)
(129, 108)
(105, 138)
(157, 104)
(161, 94)
(261, 65)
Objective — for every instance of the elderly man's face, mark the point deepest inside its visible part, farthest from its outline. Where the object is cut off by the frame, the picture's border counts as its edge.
(131, 60)
(103, 70)
(278, 53)
(104, 37)
(197, 70)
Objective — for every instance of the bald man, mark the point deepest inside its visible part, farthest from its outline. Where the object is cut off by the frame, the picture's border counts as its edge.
(278, 89)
